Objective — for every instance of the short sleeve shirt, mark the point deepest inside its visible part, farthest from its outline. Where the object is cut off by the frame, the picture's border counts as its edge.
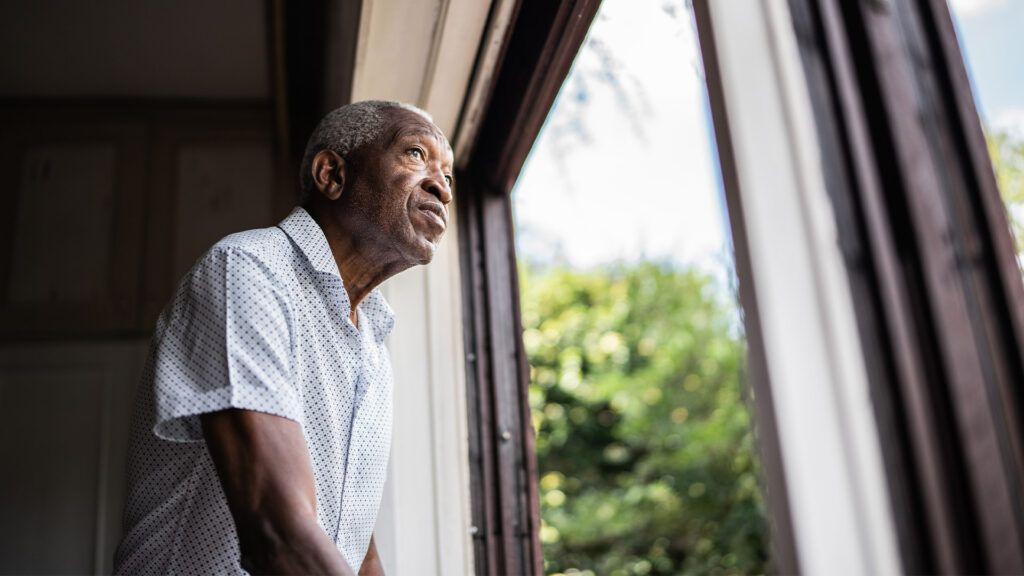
(261, 322)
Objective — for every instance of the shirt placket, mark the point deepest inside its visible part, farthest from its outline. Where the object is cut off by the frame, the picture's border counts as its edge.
(352, 459)
(341, 312)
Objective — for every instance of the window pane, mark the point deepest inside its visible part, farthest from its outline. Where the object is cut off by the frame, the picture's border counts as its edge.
(991, 40)
(644, 444)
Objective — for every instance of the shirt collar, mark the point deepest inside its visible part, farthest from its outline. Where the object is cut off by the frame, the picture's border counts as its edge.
(310, 239)
(379, 313)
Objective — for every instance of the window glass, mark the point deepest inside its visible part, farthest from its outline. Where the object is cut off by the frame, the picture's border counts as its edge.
(644, 443)
(991, 38)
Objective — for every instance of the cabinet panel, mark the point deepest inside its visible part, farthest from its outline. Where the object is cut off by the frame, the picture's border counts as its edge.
(64, 215)
(221, 188)
(63, 438)
(106, 208)
(213, 175)
(51, 442)
(73, 194)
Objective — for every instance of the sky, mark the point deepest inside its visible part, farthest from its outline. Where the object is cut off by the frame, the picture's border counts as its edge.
(991, 34)
(624, 167)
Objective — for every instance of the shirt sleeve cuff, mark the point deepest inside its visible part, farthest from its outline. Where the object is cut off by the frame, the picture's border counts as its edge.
(179, 421)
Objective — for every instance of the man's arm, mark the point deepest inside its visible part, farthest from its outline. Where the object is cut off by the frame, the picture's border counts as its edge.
(371, 562)
(264, 467)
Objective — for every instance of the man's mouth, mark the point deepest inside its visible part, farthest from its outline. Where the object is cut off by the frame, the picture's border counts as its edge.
(435, 213)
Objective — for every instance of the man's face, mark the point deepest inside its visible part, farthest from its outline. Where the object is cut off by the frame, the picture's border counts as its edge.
(404, 185)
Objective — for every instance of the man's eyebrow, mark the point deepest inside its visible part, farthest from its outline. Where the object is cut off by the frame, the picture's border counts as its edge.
(417, 131)
(420, 131)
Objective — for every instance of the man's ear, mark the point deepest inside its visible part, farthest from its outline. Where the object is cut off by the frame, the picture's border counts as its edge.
(329, 174)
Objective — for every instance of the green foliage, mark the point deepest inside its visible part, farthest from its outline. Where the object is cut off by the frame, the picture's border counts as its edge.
(1007, 153)
(644, 442)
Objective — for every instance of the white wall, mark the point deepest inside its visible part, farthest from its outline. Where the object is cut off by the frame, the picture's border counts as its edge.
(424, 521)
(429, 49)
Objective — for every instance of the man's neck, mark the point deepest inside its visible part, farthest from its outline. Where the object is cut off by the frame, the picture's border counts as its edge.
(362, 267)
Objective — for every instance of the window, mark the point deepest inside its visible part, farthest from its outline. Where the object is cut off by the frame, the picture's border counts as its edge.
(882, 302)
(631, 324)
(989, 34)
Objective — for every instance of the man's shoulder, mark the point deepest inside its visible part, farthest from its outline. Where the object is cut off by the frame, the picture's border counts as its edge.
(266, 248)
(264, 244)
(255, 263)
(263, 256)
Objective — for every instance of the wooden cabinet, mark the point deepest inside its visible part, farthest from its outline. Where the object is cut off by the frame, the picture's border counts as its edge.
(64, 414)
(106, 209)
(213, 175)
(73, 195)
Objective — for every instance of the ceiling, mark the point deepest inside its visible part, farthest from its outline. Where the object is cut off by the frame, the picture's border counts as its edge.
(134, 48)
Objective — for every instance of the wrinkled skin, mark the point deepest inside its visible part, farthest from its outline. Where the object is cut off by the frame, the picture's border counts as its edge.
(394, 187)
(385, 208)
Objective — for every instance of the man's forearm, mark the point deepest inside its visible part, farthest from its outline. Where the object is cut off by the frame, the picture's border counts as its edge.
(264, 468)
(294, 547)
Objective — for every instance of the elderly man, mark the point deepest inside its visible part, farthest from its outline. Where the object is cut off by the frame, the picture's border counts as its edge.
(263, 423)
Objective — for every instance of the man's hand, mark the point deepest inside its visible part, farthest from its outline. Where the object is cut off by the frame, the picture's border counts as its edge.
(264, 467)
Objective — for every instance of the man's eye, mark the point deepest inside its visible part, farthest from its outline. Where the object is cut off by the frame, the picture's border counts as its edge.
(448, 180)
(417, 153)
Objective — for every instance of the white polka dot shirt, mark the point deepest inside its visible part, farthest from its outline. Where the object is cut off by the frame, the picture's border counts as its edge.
(259, 323)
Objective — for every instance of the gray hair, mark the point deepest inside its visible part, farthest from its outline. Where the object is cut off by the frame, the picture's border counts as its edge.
(346, 129)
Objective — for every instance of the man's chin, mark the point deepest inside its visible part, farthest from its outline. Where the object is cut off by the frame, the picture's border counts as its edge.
(428, 257)
(424, 251)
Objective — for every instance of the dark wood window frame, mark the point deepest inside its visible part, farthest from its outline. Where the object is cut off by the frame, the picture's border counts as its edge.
(933, 273)
(938, 293)
(537, 53)
(539, 50)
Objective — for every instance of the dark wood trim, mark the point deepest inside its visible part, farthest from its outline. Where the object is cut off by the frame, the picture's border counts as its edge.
(541, 48)
(993, 223)
(484, 508)
(505, 505)
(511, 423)
(278, 77)
(341, 38)
(783, 543)
(885, 339)
(312, 63)
(304, 74)
(936, 286)
(542, 42)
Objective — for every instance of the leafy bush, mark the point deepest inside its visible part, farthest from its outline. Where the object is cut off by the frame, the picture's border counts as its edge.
(643, 436)
(1007, 152)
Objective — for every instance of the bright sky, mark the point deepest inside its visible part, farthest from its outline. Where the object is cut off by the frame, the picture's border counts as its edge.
(992, 38)
(624, 168)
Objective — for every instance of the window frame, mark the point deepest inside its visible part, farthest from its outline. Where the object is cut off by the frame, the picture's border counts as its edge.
(939, 291)
(945, 399)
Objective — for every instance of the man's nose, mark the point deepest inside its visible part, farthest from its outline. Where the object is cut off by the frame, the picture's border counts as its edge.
(435, 184)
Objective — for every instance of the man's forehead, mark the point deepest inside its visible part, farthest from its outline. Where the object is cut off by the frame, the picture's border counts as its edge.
(409, 123)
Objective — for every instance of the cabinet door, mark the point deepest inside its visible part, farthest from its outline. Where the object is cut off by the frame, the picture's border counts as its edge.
(70, 243)
(64, 413)
(212, 177)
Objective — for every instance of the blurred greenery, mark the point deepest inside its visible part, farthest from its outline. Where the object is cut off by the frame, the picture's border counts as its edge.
(644, 442)
(1007, 152)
